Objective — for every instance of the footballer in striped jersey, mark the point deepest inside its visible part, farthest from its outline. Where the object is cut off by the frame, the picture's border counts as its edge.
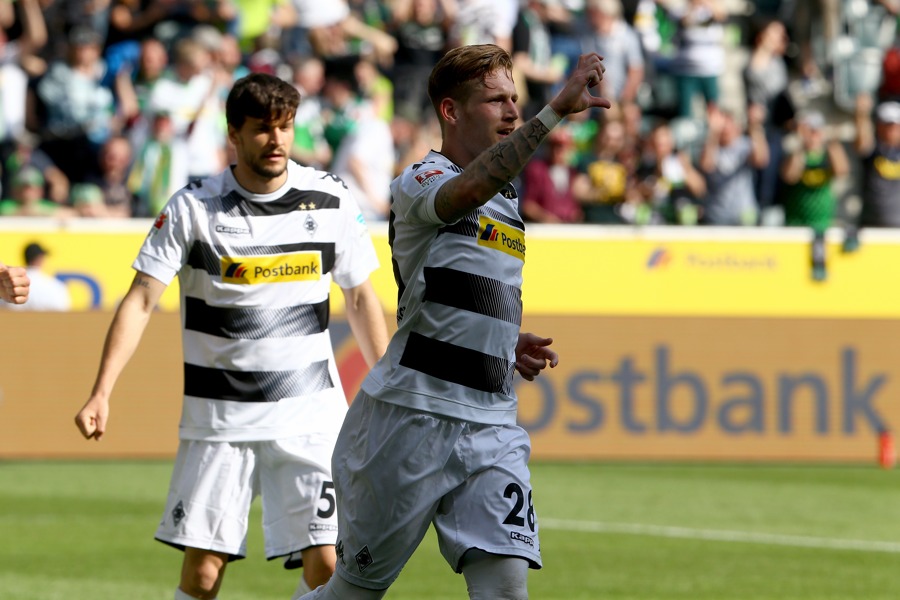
(255, 250)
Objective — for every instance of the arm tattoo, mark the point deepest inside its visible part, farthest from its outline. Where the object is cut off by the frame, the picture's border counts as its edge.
(141, 282)
(493, 169)
(508, 157)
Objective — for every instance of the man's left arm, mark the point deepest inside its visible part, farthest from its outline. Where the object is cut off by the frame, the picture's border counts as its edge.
(366, 317)
(14, 284)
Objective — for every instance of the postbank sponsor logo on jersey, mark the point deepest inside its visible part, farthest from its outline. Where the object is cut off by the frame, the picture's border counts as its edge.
(428, 177)
(499, 236)
(301, 266)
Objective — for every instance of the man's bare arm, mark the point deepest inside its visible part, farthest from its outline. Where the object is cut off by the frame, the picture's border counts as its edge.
(489, 172)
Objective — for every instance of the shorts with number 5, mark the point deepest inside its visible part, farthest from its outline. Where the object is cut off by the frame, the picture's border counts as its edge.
(214, 483)
(399, 470)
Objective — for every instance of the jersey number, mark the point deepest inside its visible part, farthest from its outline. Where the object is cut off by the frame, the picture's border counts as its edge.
(513, 518)
(328, 496)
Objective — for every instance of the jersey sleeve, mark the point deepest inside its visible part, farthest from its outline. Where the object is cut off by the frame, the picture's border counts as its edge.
(165, 249)
(355, 257)
(414, 192)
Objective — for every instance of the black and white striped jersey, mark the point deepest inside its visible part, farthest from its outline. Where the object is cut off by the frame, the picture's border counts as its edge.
(460, 301)
(255, 274)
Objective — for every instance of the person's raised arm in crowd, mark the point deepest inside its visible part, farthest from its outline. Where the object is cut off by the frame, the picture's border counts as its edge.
(759, 146)
(864, 141)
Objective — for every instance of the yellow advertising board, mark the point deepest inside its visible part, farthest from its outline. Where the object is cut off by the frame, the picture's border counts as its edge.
(651, 388)
(723, 388)
(696, 343)
(568, 270)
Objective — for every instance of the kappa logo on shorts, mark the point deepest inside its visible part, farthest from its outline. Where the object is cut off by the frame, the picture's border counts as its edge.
(339, 549)
(515, 535)
(178, 513)
(364, 559)
(322, 527)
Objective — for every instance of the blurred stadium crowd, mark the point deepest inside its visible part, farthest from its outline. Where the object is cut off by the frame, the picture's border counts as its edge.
(725, 112)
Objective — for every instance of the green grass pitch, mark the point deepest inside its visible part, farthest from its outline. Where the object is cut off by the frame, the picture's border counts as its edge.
(635, 531)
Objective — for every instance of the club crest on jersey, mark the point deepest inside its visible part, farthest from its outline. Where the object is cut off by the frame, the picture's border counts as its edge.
(310, 225)
(252, 270)
(428, 177)
(499, 236)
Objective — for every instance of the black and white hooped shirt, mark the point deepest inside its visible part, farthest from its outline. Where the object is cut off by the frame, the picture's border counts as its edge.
(255, 273)
(460, 302)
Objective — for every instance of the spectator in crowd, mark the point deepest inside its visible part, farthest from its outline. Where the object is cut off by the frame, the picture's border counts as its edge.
(809, 170)
(533, 58)
(413, 139)
(766, 81)
(13, 77)
(668, 181)
(375, 87)
(27, 153)
(484, 22)
(608, 181)
(616, 41)
(134, 82)
(364, 155)
(258, 18)
(87, 200)
(699, 59)
(332, 27)
(160, 167)
(27, 197)
(728, 159)
(112, 180)
(879, 147)
(810, 166)
(421, 28)
(548, 182)
(344, 104)
(808, 18)
(167, 20)
(79, 109)
(310, 146)
(227, 62)
(46, 293)
(192, 98)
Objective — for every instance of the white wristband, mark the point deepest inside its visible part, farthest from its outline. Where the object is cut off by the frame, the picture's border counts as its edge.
(548, 117)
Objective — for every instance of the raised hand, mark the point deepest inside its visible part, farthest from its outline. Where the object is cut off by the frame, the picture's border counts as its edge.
(576, 96)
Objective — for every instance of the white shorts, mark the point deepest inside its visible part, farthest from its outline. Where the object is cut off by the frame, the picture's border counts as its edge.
(398, 470)
(214, 483)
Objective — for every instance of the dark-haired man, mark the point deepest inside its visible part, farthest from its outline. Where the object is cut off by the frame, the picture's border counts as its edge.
(255, 249)
(431, 438)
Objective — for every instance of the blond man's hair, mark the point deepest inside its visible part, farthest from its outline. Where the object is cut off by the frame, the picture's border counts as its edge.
(459, 69)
